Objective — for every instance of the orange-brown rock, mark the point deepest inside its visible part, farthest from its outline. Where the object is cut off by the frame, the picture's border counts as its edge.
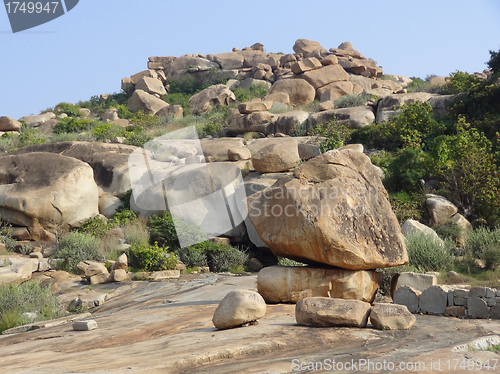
(289, 284)
(333, 210)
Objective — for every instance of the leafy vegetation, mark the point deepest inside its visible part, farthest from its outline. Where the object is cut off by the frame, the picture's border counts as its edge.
(76, 247)
(28, 297)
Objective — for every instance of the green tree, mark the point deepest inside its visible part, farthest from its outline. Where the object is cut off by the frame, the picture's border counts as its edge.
(494, 62)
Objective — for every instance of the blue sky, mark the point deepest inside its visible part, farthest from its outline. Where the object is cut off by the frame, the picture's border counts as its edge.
(88, 50)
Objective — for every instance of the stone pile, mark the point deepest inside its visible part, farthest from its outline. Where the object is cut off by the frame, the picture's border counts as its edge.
(476, 302)
(334, 211)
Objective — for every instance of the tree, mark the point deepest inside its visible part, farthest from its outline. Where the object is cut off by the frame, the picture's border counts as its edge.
(494, 63)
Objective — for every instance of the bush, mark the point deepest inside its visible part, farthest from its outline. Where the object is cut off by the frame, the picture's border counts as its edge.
(28, 297)
(71, 110)
(7, 240)
(494, 62)
(336, 135)
(480, 240)
(151, 258)
(136, 232)
(70, 124)
(406, 206)
(461, 82)
(192, 257)
(283, 261)
(426, 254)
(163, 231)
(95, 226)
(406, 169)
(256, 91)
(491, 256)
(222, 257)
(348, 101)
(108, 131)
(76, 247)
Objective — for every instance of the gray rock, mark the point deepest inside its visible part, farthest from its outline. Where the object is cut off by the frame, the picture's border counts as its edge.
(412, 227)
(417, 281)
(408, 297)
(434, 300)
(476, 307)
(84, 325)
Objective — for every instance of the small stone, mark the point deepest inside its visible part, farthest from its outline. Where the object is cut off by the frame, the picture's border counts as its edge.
(460, 292)
(120, 275)
(455, 311)
(165, 274)
(460, 301)
(391, 317)
(84, 325)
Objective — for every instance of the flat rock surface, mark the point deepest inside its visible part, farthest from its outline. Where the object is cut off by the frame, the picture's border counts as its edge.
(166, 327)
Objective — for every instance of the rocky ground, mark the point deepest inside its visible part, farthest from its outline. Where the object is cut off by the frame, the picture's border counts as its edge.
(166, 327)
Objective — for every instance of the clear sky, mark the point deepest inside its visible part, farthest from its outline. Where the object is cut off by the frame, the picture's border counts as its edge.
(88, 50)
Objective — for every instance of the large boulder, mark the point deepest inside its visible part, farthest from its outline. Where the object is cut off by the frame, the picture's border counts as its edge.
(412, 227)
(440, 210)
(207, 99)
(289, 122)
(9, 124)
(218, 148)
(46, 192)
(185, 65)
(333, 91)
(228, 61)
(326, 75)
(141, 100)
(37, 120)
(334, 210)
(281, 284)
(354, 117)
(323, 311)
(389, 105)
(277, 156)
(308, 48)
(239, 307)
(151, 86)
(108, 161)
(298, 90)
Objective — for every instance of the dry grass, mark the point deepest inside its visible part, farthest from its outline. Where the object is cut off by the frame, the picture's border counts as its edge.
(137, 232)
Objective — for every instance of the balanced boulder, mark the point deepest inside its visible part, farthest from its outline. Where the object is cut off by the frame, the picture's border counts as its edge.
(333, 210)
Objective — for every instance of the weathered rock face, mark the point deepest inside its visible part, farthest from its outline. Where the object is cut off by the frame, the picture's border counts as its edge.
(9, 124)
(354, 118)
(298, 90)
(277, 156)
(237, 308)
(388, 106)
(109, 161)
(326, 75)
(288, 122)
(391, 317)
(146, 102)
(151, 86)
(281, 284)
(44, 191)
(334, 210)
(206, 100)
(323, 311)
(41, 118)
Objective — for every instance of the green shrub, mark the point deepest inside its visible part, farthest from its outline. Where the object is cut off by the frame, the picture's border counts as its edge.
(465, 165)
(222, 257)
(461, 82)
(283, 261)
(192, 257)
(28, 297)
(255, 91)
(138, 139)
(426, 254)
(136, 232)
(7, 240)
(76, 247)
(214, 123)
(71, 110)
(124, 217)
(482, 239)
(406, 169)
(98, 106)
(124, 112)
(178, 99)
(163, 231)
(31, 136)
(335, 133)
(491, 256)
(494, 62)
(95, 226)
(151, 258)
(70, 124)
(108, 130)
(348, 101)
(406, 206)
